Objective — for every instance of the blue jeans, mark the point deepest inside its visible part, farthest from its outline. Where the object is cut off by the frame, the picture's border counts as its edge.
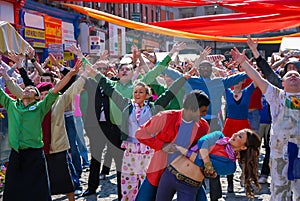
(74, 175)
(147, 192)
(254, 119)
(169, 185)
(72, 133)
(80, 140)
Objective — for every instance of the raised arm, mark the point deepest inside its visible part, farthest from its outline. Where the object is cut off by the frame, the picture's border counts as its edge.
(62, 83)
(263, 65)
(107, 86)
(18, 59)
(15, 89)
(31, 54)
(211, 163)
(164, 99)
(150, 76)
(251, 72)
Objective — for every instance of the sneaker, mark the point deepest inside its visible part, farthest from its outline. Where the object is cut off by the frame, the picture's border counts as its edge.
(262, 179)
(77, 192)
(102, 177)
(242, 182)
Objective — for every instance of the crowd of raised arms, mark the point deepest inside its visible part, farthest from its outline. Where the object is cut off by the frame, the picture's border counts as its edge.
(163, 123)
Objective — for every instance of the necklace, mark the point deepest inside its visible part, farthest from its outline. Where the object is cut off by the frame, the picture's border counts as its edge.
(236, 94)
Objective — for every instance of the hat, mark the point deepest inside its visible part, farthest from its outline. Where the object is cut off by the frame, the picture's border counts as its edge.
(296, 63)
(44, 86)
(205, 62)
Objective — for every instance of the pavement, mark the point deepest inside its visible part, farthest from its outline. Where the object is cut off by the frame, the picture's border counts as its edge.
(107, 190)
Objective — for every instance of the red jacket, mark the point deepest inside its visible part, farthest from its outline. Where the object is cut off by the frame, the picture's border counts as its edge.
(163, 128)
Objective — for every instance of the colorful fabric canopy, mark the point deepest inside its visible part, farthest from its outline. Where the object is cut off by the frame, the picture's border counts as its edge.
(232, 24)
(214, 28)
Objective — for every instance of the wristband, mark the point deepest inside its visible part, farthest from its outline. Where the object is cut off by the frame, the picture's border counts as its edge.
(208, 165)
(189, 153)
(33, 60)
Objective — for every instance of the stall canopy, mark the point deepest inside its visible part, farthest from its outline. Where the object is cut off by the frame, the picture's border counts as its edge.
(251, 17)
(11, 40)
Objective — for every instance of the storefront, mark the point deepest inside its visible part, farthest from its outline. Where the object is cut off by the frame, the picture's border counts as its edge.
(60, 29)
(34, 31)
(133, 37)
(150, 45)
(9, 11)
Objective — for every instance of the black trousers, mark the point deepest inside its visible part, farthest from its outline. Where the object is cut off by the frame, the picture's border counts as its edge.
(265, 169)
(111, 137)
(27, 176)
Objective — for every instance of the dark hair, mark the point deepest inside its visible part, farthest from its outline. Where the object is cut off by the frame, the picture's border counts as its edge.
(296, 63)
(196, 99)
(142, 84)
(50, 75)
(249, 160)
(125, 64)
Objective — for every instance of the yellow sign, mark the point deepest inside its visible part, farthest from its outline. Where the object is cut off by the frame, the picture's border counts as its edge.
(37, 44)
(34, 33)
(68, 56)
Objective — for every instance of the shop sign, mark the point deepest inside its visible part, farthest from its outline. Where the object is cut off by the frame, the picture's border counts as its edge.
(53, 30)
(56, 50)
(35, 37)
(68, 35)
(117, 45)
(136, 17)
(68, 56)
(97, 43)
(34, 21)
(7, 12)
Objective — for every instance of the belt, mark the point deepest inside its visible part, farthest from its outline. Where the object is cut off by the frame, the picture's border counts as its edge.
(183, 178)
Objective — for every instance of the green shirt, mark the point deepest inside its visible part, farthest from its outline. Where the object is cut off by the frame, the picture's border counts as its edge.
(126, 90)
(25, 122)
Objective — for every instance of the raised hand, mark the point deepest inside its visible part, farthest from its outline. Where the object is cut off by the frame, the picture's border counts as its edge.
(104, 55)
(135, 53)
(177, 47)
(53, 60)
(75, 70)
(238, 56)
(18, 59)
(151, 58)
(30, 52)
(252, 45)
(206, 51)
(190, 73)
(3, 72)
(76, 50)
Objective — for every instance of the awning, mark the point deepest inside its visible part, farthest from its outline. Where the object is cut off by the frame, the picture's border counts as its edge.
(11, 40)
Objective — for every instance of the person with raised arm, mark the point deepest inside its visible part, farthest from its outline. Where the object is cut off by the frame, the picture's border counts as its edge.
(284, 134)
(27, 176)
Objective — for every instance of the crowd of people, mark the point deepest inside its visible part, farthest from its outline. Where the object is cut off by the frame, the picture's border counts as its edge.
(162, 123)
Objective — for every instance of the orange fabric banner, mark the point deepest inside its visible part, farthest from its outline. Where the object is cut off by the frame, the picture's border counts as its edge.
(165, 31)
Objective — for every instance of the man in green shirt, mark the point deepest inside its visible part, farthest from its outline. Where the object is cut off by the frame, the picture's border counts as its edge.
(26, 176)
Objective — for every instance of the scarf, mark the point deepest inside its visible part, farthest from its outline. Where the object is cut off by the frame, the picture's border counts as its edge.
(228, 149)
